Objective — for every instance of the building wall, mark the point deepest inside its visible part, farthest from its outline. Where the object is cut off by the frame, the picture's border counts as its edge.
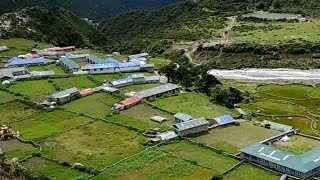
(139, 80)
(192, 131)
(101, 71)
(278, 167)
(175, 91)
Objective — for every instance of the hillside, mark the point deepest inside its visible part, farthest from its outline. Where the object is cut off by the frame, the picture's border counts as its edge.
(52, 25)
(93, 9)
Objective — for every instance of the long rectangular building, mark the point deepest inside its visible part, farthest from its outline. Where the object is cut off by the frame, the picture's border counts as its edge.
(69, 64)
(17, 62)
(159, 91)
(303, 166)
(191, 127)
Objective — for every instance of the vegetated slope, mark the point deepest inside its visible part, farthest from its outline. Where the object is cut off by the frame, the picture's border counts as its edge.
(183, 21)
(94, 9)
(53, 25)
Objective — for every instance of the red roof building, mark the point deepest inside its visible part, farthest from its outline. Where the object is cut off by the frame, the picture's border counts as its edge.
(28, 56)
(86, 92)
(66, 49)
(127, 103)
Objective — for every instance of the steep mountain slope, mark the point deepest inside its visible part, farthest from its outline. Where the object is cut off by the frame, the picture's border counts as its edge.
(52, 25)
(94, 9)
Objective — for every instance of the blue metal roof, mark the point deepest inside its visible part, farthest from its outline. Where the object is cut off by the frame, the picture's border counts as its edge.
(122, 81)
(152, 78)
(226, 119)
(18, 61)
(98, 66)
(130, 64)
(112, 61)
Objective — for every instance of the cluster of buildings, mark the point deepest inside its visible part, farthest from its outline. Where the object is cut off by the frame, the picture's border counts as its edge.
(10, 74)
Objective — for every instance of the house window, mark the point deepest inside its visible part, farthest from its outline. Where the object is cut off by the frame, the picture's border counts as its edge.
(101, 69)
(94, 69)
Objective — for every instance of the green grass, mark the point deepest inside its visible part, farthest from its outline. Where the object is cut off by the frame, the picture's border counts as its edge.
(297, 145)
(250, 172)
(244, 86)
(287, 91)
(80, 82)
(139, 117)
(52, 170)
(232, 138)
(14, 111)
(155, 165)
(6, 97)
(281, 32)
(45, 124)
(20, 46)
(15, 149)
(36, 90)
(36, 68)
(159, 62)
(97, 105)
(202, 156)
(194, 104)
(57, 69)
(96, 145)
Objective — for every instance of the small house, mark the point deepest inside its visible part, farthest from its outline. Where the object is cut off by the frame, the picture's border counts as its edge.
(141, 55)
(65, 96)
(138, 78)
(4, 48)
(110, 90)
(11, 73)
(152, 79)
(276, 126)
(221, 120)
(191, 127)
(127, 103)
(121, 82)
(158, 119)
(42, 74)
(181, 117)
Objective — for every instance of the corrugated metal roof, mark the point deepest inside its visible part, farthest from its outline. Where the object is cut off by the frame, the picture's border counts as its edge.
(130, 101)
(157, 90)
(95, 59)
(121, 81)
(147, 65)
(76, 56)
(98, 66)
(17, 61)
(152, 78)
(8, 72)
(183, 117)
(190, 124)
(129, 69)
(64, 93)
(112, 61)
(222, 120)
(167, 135)
(277, 126)
(134, 76)
(42, 73)
(109, 89)
(138, 55)
(69, 63)
(302, 163)
(129, 64)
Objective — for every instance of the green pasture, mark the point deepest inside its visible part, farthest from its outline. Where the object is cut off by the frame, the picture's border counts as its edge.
(13, 111)
(52, 170)
(194, 104)
(155, 165)
(250, 172)
(96, 145)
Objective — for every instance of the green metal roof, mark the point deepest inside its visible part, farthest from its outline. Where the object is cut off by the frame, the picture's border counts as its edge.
(70, 63)
(302, 163)
(64, 93)
(183, 117)
(157, 90)
(278, 127)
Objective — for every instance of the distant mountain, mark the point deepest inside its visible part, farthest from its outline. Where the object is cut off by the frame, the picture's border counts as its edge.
(93, 9)
(53, 25)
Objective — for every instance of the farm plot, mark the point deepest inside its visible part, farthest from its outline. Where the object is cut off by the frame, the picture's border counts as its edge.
(57, 69)
(20, 46)
(45, 124)
(249, 172)
(193, 104)
(155, 165)
(36, 90)
(80, 82)
(15, 149)
(42, 167)
(13, 111)
(139, 117)
(96, 145)
(6, 97)
(232, 138)
(297, 144)
(97, 105)
(201, 155)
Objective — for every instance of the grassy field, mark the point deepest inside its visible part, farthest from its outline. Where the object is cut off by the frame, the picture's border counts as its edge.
(193, 104)
(6, 97)
(202, 156)
(97, 145)
(249, 172)
(13, 111)
(296, 91)
(44, 124)
(297, 144)
(139, 117)
(244, 86)
(155, 165)
(35, 68)
(97, 105)
(276, 32)
(52, 170)
(57, 69)
(20, 46)
(37, 90)
(159, 62)
(80, 82)
(232, 138)
(15, 149)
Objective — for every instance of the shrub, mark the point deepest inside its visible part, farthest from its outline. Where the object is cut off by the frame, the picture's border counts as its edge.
(236, 123)
(217, 177)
